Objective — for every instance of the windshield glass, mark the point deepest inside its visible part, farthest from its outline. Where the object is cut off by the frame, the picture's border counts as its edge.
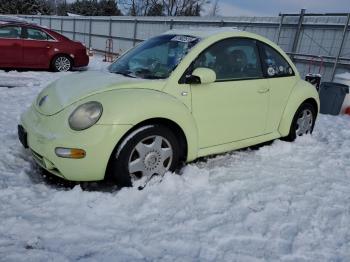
(155, 58)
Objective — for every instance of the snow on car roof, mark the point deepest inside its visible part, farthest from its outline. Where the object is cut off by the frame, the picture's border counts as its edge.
(202, 32)
(14, 20)
(8, 19)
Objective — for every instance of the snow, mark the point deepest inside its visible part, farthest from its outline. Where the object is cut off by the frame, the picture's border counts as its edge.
(281, 202)
(343, 76)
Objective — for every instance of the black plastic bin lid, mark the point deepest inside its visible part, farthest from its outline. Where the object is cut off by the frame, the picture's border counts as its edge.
(344, 88)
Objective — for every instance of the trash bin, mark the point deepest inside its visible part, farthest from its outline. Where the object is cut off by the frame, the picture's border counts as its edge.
(332, 97)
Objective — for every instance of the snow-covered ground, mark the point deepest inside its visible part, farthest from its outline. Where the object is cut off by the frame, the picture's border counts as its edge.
(285, 201)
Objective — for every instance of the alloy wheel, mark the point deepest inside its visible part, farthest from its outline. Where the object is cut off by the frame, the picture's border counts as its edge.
(62, 64)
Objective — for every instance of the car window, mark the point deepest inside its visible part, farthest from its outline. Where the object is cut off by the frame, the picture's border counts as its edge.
(147, 56)
(10, 32)
(36, 34)
(232, 59)
(275, 64)
(155, 58)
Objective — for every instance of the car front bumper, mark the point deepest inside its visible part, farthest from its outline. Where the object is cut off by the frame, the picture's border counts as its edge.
(43, 134)
(81, 60)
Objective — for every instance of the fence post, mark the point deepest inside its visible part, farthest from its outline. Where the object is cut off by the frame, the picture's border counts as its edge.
(222, 23)
(40, 20)
(280, 29)
(171, 24)
(135, 32)
(110, 28)
(341, 46)
(73, 28)
(50, 22)
(61, 25)
(297, 34)
(90, 25)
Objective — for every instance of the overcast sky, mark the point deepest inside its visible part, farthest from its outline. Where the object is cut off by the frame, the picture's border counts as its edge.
(274, 7)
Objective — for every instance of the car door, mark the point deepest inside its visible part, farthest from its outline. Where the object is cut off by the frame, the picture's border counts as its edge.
(37, 46)
(282, 79)
(235, 106)
(10, 46)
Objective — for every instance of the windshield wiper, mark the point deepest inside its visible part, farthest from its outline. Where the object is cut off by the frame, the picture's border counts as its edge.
(147, 74)
(125, 73)
(153, 77)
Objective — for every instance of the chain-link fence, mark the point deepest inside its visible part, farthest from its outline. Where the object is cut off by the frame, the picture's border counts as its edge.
(318, 43)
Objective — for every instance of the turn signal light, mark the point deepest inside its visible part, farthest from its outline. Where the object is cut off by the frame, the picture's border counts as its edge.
(70, 152)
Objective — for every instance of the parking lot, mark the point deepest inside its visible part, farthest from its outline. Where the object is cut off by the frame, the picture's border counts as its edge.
(284, 201)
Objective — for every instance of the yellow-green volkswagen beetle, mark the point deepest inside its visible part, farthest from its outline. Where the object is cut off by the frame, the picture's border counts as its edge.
(173, 98)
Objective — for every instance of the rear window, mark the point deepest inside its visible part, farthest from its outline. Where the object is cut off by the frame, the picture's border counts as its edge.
(274, 63)
(10, 32)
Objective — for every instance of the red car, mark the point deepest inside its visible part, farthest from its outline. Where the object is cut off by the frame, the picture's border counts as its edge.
(25, 45)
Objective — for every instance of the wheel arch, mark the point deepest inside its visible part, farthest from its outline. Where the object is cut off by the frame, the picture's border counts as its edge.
(172, 125)
(302, 93)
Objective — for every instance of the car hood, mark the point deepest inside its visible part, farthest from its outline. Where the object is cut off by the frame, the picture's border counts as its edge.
(74, 87)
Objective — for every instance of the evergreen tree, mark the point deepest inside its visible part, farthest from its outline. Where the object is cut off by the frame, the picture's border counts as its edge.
(28, 7)
(108, 7)
(91, 8)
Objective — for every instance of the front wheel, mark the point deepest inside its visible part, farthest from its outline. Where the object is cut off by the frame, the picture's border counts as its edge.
(62, 63)
(303, 122)
(146, 152)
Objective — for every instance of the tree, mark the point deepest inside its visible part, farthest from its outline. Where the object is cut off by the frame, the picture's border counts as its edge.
(139, 7)
(215, 9)
(156, 9)
(28, 7)
(108, 7)
(164, 7)
(90, 8)
(183, 7)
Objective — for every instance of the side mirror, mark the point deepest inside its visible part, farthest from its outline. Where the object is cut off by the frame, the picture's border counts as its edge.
(202, 75)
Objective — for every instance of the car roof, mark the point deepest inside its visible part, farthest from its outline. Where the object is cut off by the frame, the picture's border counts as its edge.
(7, 20)
(203, 32)
(25, 24)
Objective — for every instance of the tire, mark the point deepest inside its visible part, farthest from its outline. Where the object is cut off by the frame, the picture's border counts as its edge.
(147, 151)
(303, 122)
(62, 63)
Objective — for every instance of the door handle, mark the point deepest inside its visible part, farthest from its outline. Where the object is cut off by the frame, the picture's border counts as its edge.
(264, 90)
(48, 47)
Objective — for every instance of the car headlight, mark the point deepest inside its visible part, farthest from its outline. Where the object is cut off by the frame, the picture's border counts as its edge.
(85, 115)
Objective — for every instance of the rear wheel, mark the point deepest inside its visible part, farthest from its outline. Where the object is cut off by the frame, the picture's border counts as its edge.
(62, 63)
(146, 152)
(303, 122)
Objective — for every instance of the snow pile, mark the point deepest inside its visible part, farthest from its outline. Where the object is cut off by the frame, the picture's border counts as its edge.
(343, 76)
(285, 201)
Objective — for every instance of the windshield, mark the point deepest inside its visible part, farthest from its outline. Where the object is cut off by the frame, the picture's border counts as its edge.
(155, 58)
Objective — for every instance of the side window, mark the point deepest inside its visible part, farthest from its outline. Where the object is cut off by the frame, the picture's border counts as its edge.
(35, 34)
(10, 32)
(274, 64)
(232, 59)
